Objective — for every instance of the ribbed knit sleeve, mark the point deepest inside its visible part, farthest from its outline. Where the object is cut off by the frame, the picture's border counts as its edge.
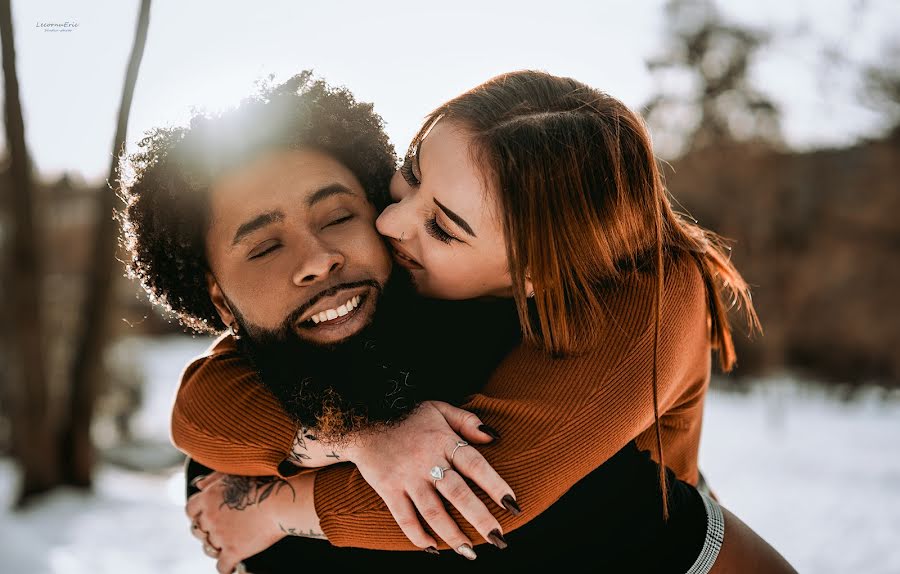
(225, 419)
(562, 418)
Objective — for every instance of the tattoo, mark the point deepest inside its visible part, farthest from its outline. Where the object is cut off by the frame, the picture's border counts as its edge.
(243, 491)
(333, 455)
(296, 456)
(310, 533)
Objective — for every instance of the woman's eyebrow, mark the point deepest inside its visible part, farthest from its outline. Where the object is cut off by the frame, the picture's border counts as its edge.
(456, 218)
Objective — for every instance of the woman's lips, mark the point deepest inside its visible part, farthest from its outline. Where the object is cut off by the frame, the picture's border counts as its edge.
(403, 258)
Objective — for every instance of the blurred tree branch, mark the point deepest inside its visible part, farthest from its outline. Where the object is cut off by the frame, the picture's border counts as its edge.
(32, 429)
(52, 454)
(705, 95)
(92, 327)
(882, 87)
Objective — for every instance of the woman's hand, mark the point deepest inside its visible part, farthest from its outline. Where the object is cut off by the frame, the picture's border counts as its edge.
(237, 517)
(397, 462)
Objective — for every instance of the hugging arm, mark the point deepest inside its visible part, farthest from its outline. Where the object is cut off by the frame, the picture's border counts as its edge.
(226, 420)
(554, 434)
(583, 410)
(559, 418)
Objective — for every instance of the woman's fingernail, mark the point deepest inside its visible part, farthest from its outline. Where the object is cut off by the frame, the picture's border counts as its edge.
(490, 431)
(197, 479)
(495, 538)
(432, 550)
(467, 551)
(510, 504)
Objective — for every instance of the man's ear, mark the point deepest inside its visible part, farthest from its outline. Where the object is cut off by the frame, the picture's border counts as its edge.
(218, 299)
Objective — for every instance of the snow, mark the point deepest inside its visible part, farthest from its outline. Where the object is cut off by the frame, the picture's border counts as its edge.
(817, 476)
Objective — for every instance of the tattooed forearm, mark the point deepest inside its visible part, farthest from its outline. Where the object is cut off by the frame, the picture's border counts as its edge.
(298, 454)
(310, 533)
(243, 491)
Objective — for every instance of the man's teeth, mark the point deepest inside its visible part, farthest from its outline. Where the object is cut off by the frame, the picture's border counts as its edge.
(331, 314)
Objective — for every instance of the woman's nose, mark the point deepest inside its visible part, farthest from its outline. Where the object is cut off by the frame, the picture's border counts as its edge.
(398, 219)
(388, 223)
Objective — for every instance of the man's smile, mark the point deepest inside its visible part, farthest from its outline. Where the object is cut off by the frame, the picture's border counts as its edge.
(339, 316)
(333, 314)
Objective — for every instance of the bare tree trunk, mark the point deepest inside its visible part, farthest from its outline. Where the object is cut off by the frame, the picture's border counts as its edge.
(75, 440)
(33, 436)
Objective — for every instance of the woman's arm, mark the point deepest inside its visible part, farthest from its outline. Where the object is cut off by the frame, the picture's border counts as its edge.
(583, 411)
(560, 419)
(224, 418)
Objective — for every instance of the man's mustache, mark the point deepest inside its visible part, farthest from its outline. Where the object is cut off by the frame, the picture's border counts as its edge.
(328, 292)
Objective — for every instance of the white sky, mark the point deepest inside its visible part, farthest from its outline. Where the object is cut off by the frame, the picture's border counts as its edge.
(406, 57)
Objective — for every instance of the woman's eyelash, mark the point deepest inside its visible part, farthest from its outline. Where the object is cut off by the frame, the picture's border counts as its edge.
(434, 230)
(406, 171)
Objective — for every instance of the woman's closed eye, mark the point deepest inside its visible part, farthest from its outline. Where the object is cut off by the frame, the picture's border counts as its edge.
(433, 228)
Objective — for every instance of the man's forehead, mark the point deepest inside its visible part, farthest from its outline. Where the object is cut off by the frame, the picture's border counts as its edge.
(294, 171)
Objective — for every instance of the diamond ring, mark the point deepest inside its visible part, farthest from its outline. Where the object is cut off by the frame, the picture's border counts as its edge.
(437, 473)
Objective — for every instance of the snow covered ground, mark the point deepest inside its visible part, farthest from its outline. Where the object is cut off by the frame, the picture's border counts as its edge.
(817, 477)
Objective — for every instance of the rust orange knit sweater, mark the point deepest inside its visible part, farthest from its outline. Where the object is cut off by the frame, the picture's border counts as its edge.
(559, 418)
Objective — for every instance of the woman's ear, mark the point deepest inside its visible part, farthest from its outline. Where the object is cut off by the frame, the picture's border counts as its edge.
(218, 299)
(529, 287)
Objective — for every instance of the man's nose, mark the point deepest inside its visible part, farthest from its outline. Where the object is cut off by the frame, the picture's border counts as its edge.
(317, 264)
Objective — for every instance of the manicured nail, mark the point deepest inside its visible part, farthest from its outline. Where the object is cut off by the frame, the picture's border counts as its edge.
(490, 431)
(432, 550)
(467, 551)
(510, 504)
(197, 479)
(495, 538)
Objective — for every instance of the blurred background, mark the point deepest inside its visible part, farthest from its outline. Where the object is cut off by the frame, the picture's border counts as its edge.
(779, 126)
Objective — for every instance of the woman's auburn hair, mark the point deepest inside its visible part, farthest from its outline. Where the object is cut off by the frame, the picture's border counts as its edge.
(582, 202)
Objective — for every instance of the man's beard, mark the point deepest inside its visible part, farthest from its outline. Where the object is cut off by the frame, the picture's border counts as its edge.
(341, 387)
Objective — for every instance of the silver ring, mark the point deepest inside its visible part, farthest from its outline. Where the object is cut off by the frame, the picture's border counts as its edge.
(437, 473)
(210, 551)
(459, 444)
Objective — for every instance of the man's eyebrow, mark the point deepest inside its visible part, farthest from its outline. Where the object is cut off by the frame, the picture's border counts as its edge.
(328, 191)
(456, 218)
(255, 224)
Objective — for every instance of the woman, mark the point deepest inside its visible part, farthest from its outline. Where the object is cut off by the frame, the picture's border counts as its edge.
(544, 190)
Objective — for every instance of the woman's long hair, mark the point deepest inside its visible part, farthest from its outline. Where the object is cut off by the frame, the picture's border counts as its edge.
(582, 201)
